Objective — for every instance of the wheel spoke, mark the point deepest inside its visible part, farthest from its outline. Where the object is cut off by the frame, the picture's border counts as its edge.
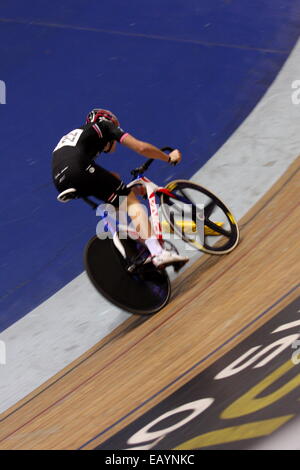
(209, 208)
(217, 228)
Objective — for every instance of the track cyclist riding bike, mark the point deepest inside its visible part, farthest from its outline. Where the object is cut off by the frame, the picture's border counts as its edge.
(74, 167)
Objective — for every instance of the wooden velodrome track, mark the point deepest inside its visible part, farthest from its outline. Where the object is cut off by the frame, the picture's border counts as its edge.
(212, 301)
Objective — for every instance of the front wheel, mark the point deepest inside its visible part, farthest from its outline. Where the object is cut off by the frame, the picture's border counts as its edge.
(190, 209)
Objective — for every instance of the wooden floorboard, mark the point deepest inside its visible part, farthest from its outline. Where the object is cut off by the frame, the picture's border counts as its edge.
(143, 361)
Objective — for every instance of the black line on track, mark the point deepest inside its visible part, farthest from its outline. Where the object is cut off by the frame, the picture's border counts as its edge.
(142, 35)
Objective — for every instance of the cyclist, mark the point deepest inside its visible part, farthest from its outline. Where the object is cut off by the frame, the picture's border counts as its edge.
(74, 167)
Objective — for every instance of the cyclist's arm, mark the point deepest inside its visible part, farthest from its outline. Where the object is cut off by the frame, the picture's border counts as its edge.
(143, 148)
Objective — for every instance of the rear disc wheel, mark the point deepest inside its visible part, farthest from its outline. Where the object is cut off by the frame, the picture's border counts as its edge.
(144, 291)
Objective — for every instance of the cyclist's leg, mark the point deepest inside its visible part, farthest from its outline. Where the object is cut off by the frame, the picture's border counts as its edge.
(139, 217)
(96, 181)
(108, 187)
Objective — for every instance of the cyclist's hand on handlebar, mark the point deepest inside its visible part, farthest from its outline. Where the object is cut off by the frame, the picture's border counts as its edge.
(175, 157)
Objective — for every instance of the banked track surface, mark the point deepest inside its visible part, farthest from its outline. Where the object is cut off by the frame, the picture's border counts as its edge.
(216, 303)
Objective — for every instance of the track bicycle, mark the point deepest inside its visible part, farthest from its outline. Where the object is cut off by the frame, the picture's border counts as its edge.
(118, 264)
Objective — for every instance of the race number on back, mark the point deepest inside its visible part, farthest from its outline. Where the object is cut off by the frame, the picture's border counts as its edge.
(69, 139)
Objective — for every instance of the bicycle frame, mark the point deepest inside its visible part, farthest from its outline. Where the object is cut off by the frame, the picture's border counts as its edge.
(152, 189)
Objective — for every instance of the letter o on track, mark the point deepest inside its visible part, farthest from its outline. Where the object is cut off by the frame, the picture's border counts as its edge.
(195, 408)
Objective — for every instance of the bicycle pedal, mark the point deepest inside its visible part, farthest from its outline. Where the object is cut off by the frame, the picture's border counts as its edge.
(147, 260)
(131, 268)
(138, 263)
(178, 266)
